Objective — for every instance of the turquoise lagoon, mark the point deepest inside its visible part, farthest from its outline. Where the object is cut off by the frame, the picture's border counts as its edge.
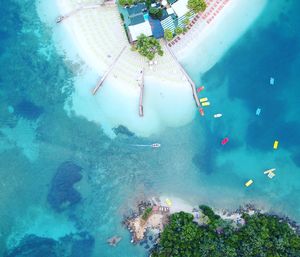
(37, 136)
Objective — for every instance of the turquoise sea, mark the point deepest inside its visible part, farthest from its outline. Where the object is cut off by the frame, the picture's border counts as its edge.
(44, 152)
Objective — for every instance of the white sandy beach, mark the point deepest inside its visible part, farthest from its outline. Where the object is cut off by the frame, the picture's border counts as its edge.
(96, 36)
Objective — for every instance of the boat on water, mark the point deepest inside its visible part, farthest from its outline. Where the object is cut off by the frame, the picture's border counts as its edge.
(155, 145)
(269, 171)
(199, 89)
(275, 146)
(249, 183)
(206, 104)
(272, 81)
(258, 110)
(203, 99)
(225, 141)
(59, 19)
(201, 111)
(217, 115)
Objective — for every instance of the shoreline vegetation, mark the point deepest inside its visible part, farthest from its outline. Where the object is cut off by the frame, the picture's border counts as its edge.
(202, 232)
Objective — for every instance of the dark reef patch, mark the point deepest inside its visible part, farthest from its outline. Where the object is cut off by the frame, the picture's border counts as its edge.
(123, 130)
(62, 194)
(28, 110)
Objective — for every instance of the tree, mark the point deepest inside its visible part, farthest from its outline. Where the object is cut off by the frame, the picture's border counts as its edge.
(186, 21)
(178, 30)
(168, 34)
(148, 47)
(197, 5)
(155, 13)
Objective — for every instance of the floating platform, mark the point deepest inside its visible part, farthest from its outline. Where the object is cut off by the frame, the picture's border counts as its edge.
(205, 103)
(275, 146)
(249, 183)
(204, 99)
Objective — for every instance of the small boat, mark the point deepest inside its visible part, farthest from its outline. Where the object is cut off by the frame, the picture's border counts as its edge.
(204, 99)
(269, 171)
(155, 145)
(275, 146)
(258, 110)
(217, 115)
(113, 241)
(249, 183)
(271, 175)
(206, 104)
(59, 19)
(225, 141)
(199, 89)
(168, 202)
(201, 111)
(272, 81)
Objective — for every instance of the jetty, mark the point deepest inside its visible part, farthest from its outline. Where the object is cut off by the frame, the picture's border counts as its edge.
(61, 18)
(101, 81)
(141, 84)
(185, 74)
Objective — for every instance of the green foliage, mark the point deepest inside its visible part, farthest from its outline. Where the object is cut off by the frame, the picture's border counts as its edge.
(148, 47)
(147, 213)
(186, 21)
(126, 2)
(178, 30)
(148, 3)
(168, 34)
(262, 235)
(197, 5)
(155, 13)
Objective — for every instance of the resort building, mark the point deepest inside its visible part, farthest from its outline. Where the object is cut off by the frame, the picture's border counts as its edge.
(137, 19)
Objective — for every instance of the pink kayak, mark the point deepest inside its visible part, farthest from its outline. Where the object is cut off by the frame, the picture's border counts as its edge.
(225, 141)
(199, 89)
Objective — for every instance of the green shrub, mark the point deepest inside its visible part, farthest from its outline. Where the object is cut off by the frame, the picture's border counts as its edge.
(178, 30)
(147, 213)
(168, 34)
(155, 13)
(197, 5)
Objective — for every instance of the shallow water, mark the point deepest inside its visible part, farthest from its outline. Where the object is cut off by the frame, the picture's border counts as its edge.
(37, 136)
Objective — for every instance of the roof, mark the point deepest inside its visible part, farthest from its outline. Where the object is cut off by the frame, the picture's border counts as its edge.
(170, 10)
(168, 23)
(180, 7)
(136, 19)
(138, 29)
(156, 27)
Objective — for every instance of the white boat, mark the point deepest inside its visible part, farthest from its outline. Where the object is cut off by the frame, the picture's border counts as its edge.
(272, 81)
(155, 145)
(258, 110)
(217, 115)
(269, 171)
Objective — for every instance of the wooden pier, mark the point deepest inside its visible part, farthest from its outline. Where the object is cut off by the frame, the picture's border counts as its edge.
(141, 84)
(100, 82)
(186, 75)
(59, 19)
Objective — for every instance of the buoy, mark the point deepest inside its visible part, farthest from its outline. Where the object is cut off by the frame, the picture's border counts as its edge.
(258, 110)
(275, 146)
(204, 99)
(225, 141)
(217, 115)
(199, 89)
(249, 183)
(272, 81)
(201, 111)
(206, 104)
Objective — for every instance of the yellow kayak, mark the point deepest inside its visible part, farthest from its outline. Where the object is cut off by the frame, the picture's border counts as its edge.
(206, 104)
(249, 183)
(275, 146)
(204, 99)
(168, 202)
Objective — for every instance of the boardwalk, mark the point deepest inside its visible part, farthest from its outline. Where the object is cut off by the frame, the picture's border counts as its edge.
(101, 81)
(82, 7)
(141, 84)
(186, 75)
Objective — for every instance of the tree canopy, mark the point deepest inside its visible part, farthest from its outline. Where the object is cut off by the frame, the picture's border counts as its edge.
(155, 13)
(148, 47)
(261, 236)
(197, 5)
(168, 34)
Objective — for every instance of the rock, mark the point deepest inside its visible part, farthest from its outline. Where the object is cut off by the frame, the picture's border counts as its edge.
(62, 194)
(28, 110)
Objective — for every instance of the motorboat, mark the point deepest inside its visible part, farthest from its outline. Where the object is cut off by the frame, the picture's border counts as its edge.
(269, 171)
(155, 145)
(272, 81)
(217, 115)
(258, 110)
(203, 99)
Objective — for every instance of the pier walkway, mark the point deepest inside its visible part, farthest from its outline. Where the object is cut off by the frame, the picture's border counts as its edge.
(101, 81)
(185, 74)
(59, 19)
(141, 84)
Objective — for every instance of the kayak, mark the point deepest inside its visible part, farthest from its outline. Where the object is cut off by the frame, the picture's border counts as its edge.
(199, 89)
(201, 111)
(225, 141)
(218, 115)
(206, 104)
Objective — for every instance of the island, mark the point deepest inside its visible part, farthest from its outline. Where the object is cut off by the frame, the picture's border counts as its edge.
(203, 232)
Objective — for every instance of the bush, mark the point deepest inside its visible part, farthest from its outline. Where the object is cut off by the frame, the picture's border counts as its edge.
(197, 5)
(155, 13)
(178, 30)
(148, 47)
(168, 34)
(147, 213)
